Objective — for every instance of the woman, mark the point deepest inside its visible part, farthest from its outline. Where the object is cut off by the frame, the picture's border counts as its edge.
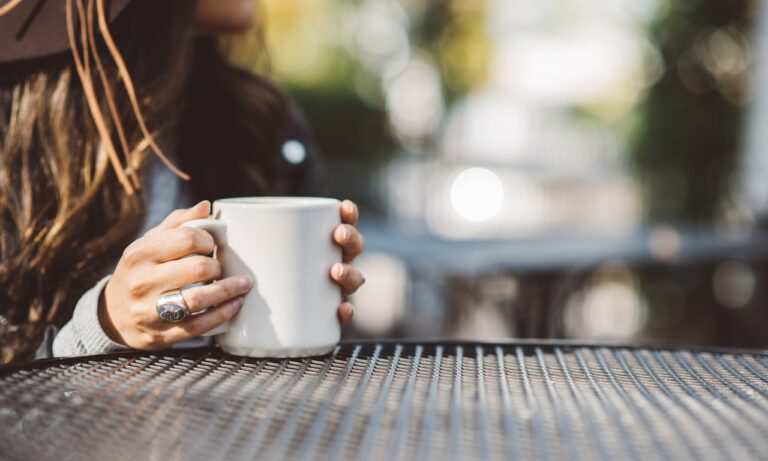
(82, 83)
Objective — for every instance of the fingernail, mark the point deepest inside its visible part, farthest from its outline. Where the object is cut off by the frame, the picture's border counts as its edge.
(234, 306)
(338, 270)
(204, 201)
(245, 282)
(350, 206)
(343, 233)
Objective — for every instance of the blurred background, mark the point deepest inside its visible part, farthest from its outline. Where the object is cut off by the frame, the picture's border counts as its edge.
(543, 168)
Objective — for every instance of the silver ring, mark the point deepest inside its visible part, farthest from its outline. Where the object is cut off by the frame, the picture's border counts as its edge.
(171, 306)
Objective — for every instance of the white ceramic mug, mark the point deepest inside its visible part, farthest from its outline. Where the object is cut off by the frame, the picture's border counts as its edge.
(286, 245)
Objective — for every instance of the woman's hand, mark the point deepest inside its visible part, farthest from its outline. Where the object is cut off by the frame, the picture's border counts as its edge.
(155, 264)
(351, 242)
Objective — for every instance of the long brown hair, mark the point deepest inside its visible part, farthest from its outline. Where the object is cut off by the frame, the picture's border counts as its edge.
(64, 216)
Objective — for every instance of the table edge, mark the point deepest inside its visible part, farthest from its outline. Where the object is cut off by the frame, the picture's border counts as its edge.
(546, 343)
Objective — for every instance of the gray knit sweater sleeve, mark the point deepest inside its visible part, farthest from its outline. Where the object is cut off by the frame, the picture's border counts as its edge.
(83, 335)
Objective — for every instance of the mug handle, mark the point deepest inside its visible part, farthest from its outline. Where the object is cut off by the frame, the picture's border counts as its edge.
(218, 230)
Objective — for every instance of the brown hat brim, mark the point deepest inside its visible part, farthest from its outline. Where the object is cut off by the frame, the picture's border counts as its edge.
(38, 28)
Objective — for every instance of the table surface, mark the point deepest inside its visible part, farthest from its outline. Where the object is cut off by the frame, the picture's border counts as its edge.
(521, 400)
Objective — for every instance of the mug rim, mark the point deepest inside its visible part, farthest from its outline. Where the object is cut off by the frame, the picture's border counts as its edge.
(278, 202)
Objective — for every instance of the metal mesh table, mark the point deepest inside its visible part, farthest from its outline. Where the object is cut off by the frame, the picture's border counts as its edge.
(392, 401)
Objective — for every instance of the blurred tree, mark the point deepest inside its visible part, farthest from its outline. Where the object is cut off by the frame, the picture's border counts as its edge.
(687, 143)
(685, 155)
(309, 59)
(454, 32)
(313, 54)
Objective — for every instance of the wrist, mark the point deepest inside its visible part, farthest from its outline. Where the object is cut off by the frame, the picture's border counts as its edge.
(105, 320)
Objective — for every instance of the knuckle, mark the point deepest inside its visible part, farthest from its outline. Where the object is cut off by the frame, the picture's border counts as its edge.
(233, 288)
(200, 268)
(152, 339)
(223, 314)
(204, 268)
(194, 299)
(225, 290)
(137, 287)
(215, 268)
(206, 241)
(136, 312)
(132, 253)
(187, 238)
(192, 327)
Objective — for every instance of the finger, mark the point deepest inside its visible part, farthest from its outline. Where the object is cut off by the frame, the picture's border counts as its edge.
(349, 212)
(346, 313)
(176, 274)
(348, 278)
(171, 244)
(350, 240)
(178, 217)
(220, 291)
(167, 223)
(202, 323)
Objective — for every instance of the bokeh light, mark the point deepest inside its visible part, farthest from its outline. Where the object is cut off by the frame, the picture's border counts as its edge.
(414, 100)
(477, 194)
(734, 284)
(609, 309)
(294, 151)
(382, 299)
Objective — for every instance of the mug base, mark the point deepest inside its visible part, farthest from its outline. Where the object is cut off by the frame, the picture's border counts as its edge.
(283, 353)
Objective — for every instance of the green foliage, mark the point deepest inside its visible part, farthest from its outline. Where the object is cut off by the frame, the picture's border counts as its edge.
(344, 126)
(687, 143)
